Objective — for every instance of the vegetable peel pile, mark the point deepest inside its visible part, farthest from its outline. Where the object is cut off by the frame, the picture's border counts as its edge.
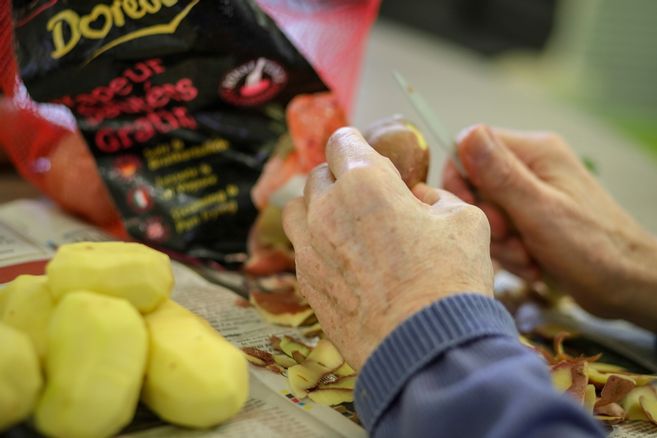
(611, 393)
(319, 373)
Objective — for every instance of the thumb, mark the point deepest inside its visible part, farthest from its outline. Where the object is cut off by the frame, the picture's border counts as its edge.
(496, 172)
(439, 200)
(426, 194)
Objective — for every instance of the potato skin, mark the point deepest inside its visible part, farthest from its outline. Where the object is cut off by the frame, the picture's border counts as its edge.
(398, 139)
(97, 349)
(20, 376)
(195, 378)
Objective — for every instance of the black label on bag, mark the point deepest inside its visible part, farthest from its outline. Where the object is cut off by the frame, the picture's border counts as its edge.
(180, 101)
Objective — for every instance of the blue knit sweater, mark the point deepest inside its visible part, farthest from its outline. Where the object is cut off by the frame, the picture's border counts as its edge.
(456, 369)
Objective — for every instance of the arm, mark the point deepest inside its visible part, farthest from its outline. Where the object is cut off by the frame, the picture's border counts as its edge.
(473, 379)
(372, 257)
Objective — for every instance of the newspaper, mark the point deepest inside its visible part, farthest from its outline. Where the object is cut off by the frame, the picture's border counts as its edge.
(30, 232)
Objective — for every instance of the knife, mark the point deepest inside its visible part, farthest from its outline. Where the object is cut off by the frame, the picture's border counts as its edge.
(438, 131)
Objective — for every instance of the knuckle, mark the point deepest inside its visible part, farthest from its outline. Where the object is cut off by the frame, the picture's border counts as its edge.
(363, 187)
(474, 217)
(552, 138)
(357, 176)
(505, 177)
(475, 214)
(555, 142)
(341, 136)
(318, 170)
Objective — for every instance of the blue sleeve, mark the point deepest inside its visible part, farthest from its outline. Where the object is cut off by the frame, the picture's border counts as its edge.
(456, 368)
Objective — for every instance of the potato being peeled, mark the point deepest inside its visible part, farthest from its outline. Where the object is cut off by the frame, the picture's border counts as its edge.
(401, 141)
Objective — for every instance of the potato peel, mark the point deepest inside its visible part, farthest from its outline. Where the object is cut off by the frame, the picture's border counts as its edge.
(616, 388)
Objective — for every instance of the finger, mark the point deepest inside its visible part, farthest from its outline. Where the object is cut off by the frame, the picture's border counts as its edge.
(295, 223)
(528, 144)
(511, 251)
(426, 194)
(497, 172)
(454, 182)
(319, 181)
(317, 299)
(529, 273)
(448, 200)
(499, 224)
(347, 150)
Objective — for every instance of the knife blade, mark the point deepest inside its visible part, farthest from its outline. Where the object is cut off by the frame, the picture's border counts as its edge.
(438, 131)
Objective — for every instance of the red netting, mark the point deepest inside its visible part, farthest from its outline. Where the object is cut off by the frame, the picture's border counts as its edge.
(7, 60)
(331, 34)
(42, 141)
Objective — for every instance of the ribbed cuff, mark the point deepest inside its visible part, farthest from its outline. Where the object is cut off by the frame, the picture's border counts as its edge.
(421, 339)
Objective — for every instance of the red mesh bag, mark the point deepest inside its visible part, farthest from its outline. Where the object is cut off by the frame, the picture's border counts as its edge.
(331, 34)
(43, 141)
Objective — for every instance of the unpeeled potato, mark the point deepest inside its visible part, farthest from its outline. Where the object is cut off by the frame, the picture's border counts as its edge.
(400, 140)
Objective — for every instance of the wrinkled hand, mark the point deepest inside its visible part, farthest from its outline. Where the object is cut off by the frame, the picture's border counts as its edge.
(369, 253)
(549, 215)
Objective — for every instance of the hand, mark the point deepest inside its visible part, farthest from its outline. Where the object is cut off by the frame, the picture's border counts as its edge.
(549, 215)
(369, 253)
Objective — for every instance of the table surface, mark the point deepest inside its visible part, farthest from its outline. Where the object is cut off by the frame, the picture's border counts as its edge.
(464, 89)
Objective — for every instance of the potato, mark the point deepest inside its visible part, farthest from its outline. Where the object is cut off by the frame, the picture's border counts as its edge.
(195, 377)
(20, 377)
(132, 271)
(74, 182)
(27, 305)
(97, 349)
(400, 140)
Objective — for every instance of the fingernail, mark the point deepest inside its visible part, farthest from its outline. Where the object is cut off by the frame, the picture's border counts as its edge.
(482, 146)
(465, 132)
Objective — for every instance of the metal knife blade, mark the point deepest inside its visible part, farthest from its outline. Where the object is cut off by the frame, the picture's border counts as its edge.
(436, 128)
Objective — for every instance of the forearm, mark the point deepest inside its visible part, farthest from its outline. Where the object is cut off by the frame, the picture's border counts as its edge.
(457, 369)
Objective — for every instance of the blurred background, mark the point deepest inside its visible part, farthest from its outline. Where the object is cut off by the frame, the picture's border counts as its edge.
(583, 68)
(600, 54)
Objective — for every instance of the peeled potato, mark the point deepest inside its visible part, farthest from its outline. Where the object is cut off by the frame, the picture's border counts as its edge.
(27, 305)
(400, 140)
(97, 348)
(132, 271)
(195, 378)
(20, 377)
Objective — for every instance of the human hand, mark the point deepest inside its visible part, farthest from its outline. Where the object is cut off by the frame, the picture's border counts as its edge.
(549, 215)
(369, 253)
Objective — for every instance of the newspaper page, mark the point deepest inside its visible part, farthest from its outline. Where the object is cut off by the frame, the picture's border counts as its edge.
(30, 232)
(634, 429)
